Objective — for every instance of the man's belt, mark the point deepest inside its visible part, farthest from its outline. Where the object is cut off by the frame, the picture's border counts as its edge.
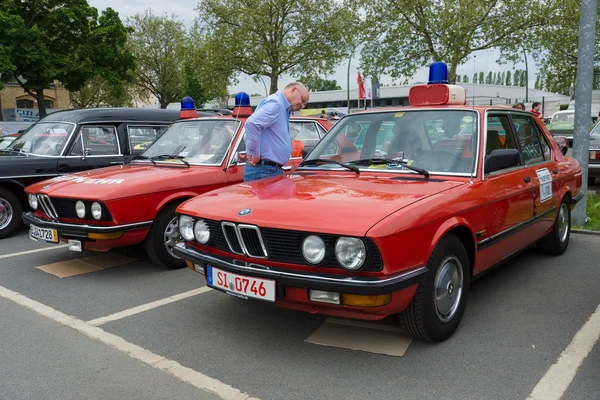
(271, 163)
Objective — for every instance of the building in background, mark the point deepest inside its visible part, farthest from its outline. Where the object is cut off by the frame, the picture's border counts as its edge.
(18, 105)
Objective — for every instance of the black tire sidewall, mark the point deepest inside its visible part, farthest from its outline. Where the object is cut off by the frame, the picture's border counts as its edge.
(155, 244)
(17, 211)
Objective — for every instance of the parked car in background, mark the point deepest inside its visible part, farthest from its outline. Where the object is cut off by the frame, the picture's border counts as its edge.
(400, 226)
(5, 140)
(126, 205)
(70, 141)
(594, 155)
(562, 124)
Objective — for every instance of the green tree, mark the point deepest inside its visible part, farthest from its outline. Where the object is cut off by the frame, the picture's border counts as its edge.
(523, 78)
(465, 79)
(475, 78)
(407, 34)
(537, 82)
(275, 37)
(517, 78)
(317, 84)
(481, 78)
(488, 78)
(508, 80)
(457, 78)
(62, 40)
(99, 91)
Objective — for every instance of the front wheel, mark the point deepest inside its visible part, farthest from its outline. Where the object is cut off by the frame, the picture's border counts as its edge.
(439, 303)
(162, 237)
(556, 242)
(10, 213)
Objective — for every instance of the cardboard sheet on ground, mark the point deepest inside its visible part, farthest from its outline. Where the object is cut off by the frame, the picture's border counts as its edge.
(84, 265)
(372, 337)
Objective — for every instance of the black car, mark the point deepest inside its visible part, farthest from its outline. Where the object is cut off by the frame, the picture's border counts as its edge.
(71, 141)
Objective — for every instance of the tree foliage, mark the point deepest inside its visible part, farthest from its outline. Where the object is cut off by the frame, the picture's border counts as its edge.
(172, 62)
(275, 37)
(62, 40)
(99, 91)
(318, 84)
(408, 34)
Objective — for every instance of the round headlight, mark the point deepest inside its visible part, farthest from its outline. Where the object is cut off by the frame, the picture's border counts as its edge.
(186, 227)
(80, 209)
(201, 232)
(33, 203)
(313, 249)
(96, 211)
(350, 252)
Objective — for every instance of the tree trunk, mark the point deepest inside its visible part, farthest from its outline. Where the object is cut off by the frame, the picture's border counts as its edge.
(39, 95)
(274, 80)
(452, 73)
(163, 102)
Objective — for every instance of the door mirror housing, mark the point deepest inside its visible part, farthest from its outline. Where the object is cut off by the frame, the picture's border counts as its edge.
(501, 159)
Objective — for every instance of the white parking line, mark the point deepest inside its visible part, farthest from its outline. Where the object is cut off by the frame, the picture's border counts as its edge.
(185, 374)
(62, 246)
(560, 375)
(147, 306)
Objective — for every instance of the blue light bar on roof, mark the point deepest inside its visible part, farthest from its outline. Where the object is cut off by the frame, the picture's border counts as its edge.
(187, 103)
(438, 73)
(242, 99)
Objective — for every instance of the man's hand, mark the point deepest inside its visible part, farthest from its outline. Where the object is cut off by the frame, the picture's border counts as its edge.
(253, 160)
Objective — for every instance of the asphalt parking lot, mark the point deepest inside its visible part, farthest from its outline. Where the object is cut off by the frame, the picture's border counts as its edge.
(138, 331)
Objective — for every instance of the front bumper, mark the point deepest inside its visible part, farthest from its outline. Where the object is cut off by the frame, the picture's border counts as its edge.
(364, 285)
(82, 230)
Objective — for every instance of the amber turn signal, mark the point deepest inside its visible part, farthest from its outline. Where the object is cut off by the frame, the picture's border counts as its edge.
(359, 300)
(105, 236)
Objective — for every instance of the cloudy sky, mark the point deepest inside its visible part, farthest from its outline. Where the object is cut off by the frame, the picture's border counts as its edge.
(485, 60)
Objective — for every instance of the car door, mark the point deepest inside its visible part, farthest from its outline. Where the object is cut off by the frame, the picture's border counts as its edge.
(510, 195)
(537, 155)
(94, 146)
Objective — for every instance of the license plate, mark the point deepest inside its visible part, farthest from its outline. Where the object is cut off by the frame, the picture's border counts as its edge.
(240, 285)
(44, 234)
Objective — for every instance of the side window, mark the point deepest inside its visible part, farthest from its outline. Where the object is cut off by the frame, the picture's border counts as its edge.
(322, 131)
(97, 141)
(529, 135)
(141, 137)
(77, 149)
(242, 145)
(498, 134)
(306, 132)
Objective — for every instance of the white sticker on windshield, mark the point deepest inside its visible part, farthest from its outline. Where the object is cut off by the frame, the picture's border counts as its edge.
(545, 184)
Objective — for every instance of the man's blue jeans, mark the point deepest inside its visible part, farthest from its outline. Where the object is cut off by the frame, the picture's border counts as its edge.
(260, 171)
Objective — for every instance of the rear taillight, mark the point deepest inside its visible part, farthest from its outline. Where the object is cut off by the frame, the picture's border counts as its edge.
(594, 154)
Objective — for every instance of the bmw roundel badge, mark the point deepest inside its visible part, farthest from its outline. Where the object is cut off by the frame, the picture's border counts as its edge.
(245, 212)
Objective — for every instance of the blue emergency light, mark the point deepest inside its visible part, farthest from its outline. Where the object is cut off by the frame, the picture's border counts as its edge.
(242, 99)
(187, 103)
(438, 73)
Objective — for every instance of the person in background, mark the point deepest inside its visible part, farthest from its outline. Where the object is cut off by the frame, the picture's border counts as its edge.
(535, 109)
(268, 141)
(323, 114)
(519, 106)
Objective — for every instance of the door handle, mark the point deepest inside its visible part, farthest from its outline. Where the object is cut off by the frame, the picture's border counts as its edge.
(527, 179)
(117, 162)
(287, 168)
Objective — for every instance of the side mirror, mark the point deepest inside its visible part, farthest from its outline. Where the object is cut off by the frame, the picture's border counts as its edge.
(501, 159)
(241, 157)
(88, 152)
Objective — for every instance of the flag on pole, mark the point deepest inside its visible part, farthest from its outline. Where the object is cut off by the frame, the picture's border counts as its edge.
(361, 87)
(368, 88)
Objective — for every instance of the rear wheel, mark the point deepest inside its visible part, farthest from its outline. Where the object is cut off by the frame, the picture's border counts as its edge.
(162, 237)
(556, 242)
(439, 303)
(10, 213)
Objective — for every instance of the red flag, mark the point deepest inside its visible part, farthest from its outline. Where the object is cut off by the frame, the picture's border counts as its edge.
(361, 87)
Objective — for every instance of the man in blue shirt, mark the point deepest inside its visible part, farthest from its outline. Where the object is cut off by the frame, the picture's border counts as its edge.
(268, 141)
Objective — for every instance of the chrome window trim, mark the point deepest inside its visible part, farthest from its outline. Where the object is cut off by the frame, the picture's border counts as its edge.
(114, 129)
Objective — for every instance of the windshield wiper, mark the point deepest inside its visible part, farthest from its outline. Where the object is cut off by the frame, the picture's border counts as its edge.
(375, 161)
(12, 151)
(141, 157)
(315, 161)
(170, 156)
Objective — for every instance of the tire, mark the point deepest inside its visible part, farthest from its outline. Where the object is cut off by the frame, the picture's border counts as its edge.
(431, 319)
(555, 243)
(162, 231)
(10, 213)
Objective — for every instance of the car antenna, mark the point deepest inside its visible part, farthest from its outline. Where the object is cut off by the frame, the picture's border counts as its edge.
(473, 121)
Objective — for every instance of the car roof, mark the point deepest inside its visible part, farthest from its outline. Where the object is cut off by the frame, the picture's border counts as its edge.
(114, 114)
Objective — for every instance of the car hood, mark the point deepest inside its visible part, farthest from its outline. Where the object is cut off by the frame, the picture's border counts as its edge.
(131, 180)
(19, 165)
(336, 204)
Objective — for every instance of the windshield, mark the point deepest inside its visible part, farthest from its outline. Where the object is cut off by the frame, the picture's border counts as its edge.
(563, 117)
(5, 141)
(44, 139)
(595, 133)
(198, 142)
(433, 140)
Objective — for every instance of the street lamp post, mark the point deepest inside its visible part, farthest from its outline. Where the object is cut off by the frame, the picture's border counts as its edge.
(526, 77)
(348, 78)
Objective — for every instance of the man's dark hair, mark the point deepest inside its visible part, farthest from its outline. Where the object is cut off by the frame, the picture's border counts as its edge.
(322, 111)
(535, 104)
